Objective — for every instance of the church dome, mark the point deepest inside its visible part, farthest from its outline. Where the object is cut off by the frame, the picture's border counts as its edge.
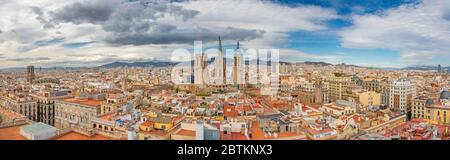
(445, 95)
(429, 102)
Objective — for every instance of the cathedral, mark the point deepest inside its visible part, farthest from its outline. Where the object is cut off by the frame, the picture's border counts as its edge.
(219, 77)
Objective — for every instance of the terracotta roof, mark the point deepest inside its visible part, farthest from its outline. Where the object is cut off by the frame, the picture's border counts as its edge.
(247, 108)
(232, 136)
(155, 132)
(279, 103)
(78, 136)
(10, 114)
(231, 100)
(147, 123)
(230, 111)
(288, 134)
(87, 102)
(258, 134)
(357, 118)
(107, 117)
(185, 132)
(11, 133)
(114, 95)
(257, 105)
(313, 131)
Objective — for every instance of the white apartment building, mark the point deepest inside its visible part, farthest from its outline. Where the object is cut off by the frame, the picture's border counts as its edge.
(401, 95)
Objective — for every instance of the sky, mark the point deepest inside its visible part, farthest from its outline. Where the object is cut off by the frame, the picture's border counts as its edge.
(372, 33)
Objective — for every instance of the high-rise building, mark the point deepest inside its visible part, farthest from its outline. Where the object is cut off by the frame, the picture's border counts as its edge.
(439, 69)
(401, 95)
(30, 73)
(238, 66)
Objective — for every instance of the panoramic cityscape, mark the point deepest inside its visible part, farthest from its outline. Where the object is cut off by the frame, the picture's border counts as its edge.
(225, 70)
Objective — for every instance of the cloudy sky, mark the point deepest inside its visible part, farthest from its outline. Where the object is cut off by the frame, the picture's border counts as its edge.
(379, 33)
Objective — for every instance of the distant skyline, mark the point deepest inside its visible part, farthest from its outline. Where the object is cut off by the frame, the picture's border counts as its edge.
(380, 33)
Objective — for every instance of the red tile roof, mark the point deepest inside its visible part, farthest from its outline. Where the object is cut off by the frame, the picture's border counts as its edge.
(247, 108)
(257, 105)
(232, 136)
(11, 133)
(147, 123)
(107, 117)
(78, 136)
(357, 118)
(185, 132)
(230, 111)
(87, 102)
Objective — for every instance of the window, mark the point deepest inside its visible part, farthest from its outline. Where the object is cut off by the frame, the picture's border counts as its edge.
(445, 117)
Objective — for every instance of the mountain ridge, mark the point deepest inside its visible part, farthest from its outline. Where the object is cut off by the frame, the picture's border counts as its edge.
(168, 63)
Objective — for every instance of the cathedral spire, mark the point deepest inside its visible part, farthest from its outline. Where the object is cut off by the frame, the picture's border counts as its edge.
(220, 44)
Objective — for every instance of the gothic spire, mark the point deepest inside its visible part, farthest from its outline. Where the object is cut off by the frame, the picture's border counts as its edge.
(220, 44)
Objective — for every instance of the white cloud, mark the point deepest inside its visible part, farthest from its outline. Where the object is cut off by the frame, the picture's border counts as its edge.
(21, 27)
(421, 32)
(275, 19)
(255, 14)
(290, 55)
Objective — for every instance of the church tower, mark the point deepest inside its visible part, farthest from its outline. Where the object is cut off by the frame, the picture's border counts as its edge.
(220, 66)
(200, 64)
(238, 66)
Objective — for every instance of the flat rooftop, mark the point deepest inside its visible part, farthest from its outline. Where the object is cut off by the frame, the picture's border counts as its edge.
(37, 128)
(13, 133)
